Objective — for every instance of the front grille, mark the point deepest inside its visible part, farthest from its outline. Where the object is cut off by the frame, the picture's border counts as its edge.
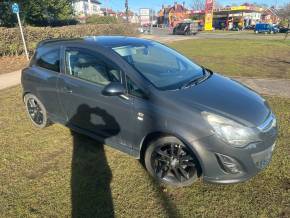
(262, 159)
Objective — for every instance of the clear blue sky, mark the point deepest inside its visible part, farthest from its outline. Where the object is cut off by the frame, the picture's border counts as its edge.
(156, 4)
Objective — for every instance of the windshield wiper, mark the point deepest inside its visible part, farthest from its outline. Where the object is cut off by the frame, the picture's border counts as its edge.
(196, 80)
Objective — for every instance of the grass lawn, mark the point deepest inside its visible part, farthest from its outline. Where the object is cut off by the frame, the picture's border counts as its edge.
(240, 57)
(52, 173)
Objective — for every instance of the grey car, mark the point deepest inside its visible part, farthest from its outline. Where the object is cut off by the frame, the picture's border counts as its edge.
(181, 120)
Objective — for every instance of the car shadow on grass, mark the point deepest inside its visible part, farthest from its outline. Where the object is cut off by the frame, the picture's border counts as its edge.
(90, 174)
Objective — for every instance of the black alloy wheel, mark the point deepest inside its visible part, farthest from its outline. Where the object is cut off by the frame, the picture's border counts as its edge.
(171, 162)
(36, 111)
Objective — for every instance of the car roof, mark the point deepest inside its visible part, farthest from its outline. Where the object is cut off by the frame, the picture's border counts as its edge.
(106, 41)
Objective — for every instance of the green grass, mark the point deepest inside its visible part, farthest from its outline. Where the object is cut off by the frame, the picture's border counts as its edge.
(50, 173)
(240, 57)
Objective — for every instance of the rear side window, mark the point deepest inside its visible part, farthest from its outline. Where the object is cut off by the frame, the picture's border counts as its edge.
(49, 60)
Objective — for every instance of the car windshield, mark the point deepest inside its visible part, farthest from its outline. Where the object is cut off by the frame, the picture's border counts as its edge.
(165, 68)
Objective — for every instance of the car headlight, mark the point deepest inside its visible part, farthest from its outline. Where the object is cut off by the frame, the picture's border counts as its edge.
(230, 131)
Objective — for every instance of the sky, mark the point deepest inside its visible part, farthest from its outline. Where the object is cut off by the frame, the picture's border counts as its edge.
(134, 5)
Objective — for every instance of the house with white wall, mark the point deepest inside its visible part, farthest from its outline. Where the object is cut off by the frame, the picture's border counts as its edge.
(87, 7)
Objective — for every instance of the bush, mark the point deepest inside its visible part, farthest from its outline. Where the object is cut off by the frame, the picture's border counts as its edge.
(101, 20)
(11, 44)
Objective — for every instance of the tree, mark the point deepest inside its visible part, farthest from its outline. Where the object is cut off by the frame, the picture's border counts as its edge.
(198, 5)
(37, 12)
(48, 12)
(261, 5)
(7, 18)
(216, 5)
(284, 13)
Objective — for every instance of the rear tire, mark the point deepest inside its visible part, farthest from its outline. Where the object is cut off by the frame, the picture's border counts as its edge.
(170, 161)
(36, 111)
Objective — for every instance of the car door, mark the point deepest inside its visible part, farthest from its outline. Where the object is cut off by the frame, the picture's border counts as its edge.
(178, 29)
(44, 73)
(182, 28)
(144, 113)
(86, 74)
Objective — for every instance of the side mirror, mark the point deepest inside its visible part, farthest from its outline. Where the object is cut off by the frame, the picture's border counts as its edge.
(114, 89)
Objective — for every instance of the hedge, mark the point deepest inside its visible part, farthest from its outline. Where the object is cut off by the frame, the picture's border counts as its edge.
(11, 44)
(101, 20)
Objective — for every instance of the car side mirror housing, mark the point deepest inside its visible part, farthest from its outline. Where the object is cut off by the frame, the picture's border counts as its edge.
(114, 89)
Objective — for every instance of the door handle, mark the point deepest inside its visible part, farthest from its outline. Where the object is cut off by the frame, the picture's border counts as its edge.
(67, 89)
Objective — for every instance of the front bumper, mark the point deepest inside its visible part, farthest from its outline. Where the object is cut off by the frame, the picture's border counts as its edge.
(249, 160)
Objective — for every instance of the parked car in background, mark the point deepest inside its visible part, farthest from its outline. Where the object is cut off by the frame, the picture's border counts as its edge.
(265, 28)
(180, 119)
(250, 27)
(283, 29)
(186, 28)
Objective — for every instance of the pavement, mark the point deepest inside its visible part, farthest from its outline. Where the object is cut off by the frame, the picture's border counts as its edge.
(8, 80)
(267, 86)
(271, 87)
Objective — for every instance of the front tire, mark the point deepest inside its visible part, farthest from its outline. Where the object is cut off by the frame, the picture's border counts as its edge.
(36, 111)
(171, 162)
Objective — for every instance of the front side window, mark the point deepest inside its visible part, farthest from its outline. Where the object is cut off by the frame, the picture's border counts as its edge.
(49, 60)
(85, 65)
(162, 66)
(133, 89)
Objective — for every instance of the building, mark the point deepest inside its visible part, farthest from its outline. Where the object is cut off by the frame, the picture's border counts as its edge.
(172, 15)
(109, 12)
(270, 15)
(132, 17)
(145, 16)
(83, 8)
(231, 17)
(236, 16)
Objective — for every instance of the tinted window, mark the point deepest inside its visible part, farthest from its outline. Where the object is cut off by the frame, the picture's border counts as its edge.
(133, 89)
(49, 60)
(184, 26)
(88, 66)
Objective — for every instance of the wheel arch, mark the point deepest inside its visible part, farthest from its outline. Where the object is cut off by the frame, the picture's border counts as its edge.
(155, 135)
(25, 93)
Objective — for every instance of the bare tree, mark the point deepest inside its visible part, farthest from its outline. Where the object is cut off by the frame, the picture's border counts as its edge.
(284, 13)
(216, 4)
(198, 5)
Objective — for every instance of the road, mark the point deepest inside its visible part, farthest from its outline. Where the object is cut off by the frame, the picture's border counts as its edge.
(165, 36)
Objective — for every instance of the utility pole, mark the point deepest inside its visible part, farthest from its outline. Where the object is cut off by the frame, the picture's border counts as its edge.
(127, 10)
(107, 7)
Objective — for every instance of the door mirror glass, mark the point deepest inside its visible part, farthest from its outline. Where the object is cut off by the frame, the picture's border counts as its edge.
(114, 89)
